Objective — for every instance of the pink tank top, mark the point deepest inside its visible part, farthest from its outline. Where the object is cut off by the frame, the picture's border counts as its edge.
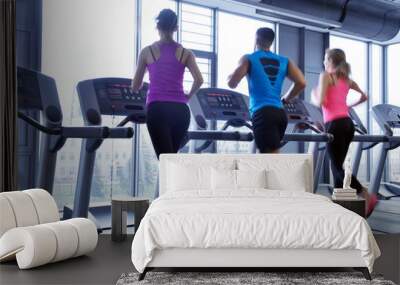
(335, 106)
(166, 76)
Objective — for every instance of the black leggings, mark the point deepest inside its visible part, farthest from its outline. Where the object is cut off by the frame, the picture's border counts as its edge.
(167, 123)
(343, 132)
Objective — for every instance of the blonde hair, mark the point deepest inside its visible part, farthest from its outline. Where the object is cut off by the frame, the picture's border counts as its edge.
(338, 58)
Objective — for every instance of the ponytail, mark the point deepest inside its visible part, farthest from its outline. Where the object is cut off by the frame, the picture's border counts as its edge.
(343, 70)
(338, 58)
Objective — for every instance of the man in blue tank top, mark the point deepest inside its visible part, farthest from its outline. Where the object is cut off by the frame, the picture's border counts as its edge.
(265, 72)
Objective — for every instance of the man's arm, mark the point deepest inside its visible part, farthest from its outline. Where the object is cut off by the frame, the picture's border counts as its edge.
(240, 72)
(299, 82)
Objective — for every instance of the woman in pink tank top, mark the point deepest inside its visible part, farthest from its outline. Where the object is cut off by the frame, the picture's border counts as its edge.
(168, 116)
(331, 94)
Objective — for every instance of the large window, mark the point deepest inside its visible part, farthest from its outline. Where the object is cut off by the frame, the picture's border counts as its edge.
(82, 49)
(375, 97)
(393, 84)
(197, 33)
(236, 37)
(356, 55)
(196, 29)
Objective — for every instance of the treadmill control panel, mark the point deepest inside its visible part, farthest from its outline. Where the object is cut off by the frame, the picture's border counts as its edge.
(115, 97)
(112, 96)
(221, 104)
(387, 115)
(296, 111)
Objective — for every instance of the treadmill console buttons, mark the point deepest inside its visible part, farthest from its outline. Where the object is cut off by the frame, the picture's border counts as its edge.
(115, 97)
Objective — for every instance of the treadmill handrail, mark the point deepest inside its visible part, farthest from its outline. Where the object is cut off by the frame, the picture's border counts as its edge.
(220, 135)
(39, 126)
(211, 136)
(67, 132)
(370, 138)
(313, 127)
(301, 137)
(241, 136)
(87, 132)
(121, 132)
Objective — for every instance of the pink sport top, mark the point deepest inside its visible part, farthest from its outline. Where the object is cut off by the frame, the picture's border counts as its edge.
(166, 76)
(335, 106)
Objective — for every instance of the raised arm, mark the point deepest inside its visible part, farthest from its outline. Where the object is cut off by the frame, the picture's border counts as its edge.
(319, 93)
(196, 74)
(363, 96)
(240, 72)
(140, 71)
(299, 83)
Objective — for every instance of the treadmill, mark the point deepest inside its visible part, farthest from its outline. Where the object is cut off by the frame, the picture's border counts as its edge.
(216, 104)
(386, 215)
(37, 91)
(103, 96)
(364, 140)
(308, 117)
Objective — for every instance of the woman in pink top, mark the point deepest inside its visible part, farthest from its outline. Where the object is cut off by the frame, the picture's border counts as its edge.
(333, 88)
(168, 115)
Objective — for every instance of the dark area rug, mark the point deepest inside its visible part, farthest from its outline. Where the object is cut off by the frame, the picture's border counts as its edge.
(244, 278)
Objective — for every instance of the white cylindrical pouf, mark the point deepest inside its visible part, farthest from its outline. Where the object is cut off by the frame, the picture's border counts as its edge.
(7, 217)
(45, 205)
(67, 240)
(33, 246)
(87, 234)
(24, 210)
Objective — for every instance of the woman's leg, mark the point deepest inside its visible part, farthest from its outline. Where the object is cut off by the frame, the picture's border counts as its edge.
(159, 129)
(361, 190)
(337, 151)
(181, 118)
(355, 184)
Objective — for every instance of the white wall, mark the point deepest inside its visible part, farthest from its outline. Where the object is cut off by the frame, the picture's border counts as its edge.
(85, 39)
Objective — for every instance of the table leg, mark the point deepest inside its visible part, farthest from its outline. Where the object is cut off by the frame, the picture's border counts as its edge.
(140, 211)
(116, 222)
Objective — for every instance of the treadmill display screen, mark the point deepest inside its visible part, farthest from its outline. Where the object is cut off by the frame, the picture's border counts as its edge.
(394, 118)
(221, 104)
(115, 97)
(296, 111)
(387, 115)
(225, 101)
(117, 92)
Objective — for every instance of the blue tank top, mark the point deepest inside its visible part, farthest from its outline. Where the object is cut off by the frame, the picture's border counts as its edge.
(265, 79)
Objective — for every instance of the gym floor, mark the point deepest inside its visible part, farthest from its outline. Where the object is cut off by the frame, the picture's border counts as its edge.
(106, 264)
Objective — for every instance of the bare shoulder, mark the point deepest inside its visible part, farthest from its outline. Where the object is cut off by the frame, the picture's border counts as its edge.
(244, 59)
(187, 55)
(326, 77)
(145, 51)
(188, 52)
